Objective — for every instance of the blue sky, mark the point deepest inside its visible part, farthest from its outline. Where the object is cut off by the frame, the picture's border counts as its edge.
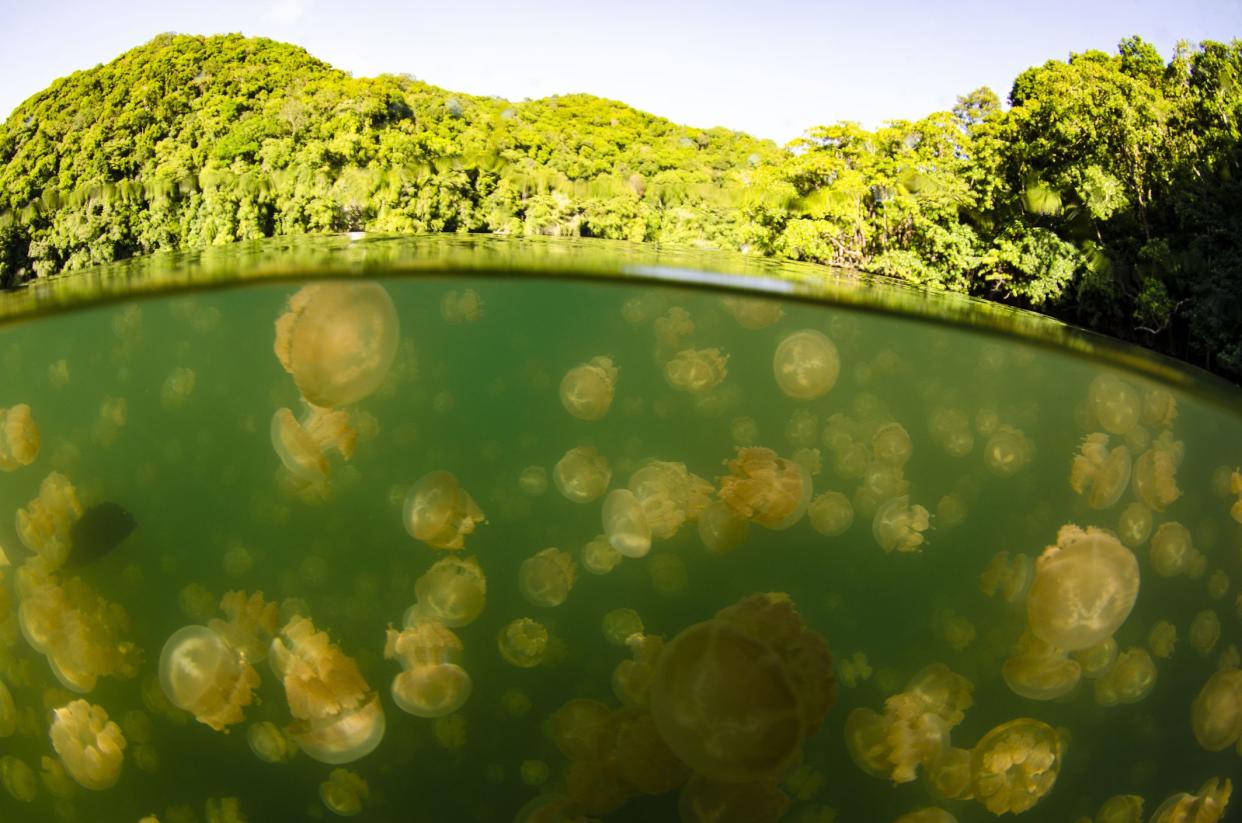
(771, 68)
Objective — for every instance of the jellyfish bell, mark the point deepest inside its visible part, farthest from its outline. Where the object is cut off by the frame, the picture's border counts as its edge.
(806, 364)
(720, 530)
(1015, 765)
(1007, 451)
(1154, 476)
(696, 371)
(899, 526)
(90, 746)
(831, 513)
(344, 737)
(523, 642)
(545, 578)
(439, 512)
(431, 691)
(625, 524)
(599, 557)
(343, 792)
(202, 675)
(1208, 806)
(303, 446)
(1172, 549)
(453, 591)
(891, 444)
(269, 743)
(1216, 713)
(1098, 474)
(19, 437)
(766, 489)
(582, 474)
(338, 340)
(1130, 679)
(1037, 671)
(1084, 589)
(587, 389)
(1135, 524)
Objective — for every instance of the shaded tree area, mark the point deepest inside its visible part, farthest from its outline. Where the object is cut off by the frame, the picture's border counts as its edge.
(1106, 193)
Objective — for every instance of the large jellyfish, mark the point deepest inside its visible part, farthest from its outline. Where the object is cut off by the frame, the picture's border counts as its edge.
(582, 474)
(1098, 474)
(696, 371)
(766, 489)
(431, 683)
(806, 364)
(453, 591)
(19, 437)
(735, 696)
(338, 340)
(339, 719)
(1084, 588)
(546, 577)
(439, 512)
(90, 746)
(1216, 714)
(201, 674)
(587, 389)
(1015, 765)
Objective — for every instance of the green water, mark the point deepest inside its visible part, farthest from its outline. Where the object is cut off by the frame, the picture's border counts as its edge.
(480, 399)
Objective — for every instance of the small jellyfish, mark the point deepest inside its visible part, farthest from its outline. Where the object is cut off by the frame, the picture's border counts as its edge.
(744, 431)
(1100, 475)
(19, 437)
(766, 489)
(1038, 671)
(1216, 714)
(625, 524)
(201, 674)
(1162, 639)
(1135, 524)
(1015, 765)
(587, 389)
(1121, 808)
(854, 669)
(338, 340)
(668, 574)
(802, 430)
(899, 526)
(950, 429)
(1208, 806)
(806, 365)
(533, 481)
(696, 371)
(954, 629)
(546, 577)
(671, 329)
(1097, 660)
(196, 602)
(1007, 451)
(831, 513)
(1009, 576)
(618, 625)
(439, 512)
(8, 712)
(753, 313)
(453, 591)
(89, 745)
(177, 388)
(44, 526)
(669, 495)
(18, 779)
(582, 474)
(343, 792)
(303, 445)
(1204, 631)
(533, 772)
(1172, 550)
(891, 445)
(1114, 403)
(461, 307)
(1235, 487)
(720, 530)
(1154, 478)
(580, 729)
(431, 683)
(251, 624)
(58, 373)
(523, 642)
(1130, 679)
(269, 743)
(1084, 589)
(1159, 408)
(599, 557)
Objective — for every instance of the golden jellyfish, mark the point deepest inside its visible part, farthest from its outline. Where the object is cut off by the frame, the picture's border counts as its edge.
(950, 429)
(250, 626)
(929, 814)
(1100, 475)
(8, 712)
(1208, 806)
(703, 799)
(1015, 765)
(18, 779)
(1159, 408)
(830, 513)
(581, 728)
(546, 577)
(1235, 487)
(948, 774)
(1204, 631)
(43, 525)
(735, 696)
(894, 744)
(338, 717)
(631, 679)
(1154, 478)
(891, 444)
(669, 495)
(1099, 659)
(55, 779)
(177, 388)
(766, 489)
(720, 530)
(1038, 671)
(269, 743)
(753, 313)
(338, 340)
(1218, 584)
(343, 792)
(431, 683)
(89, 745)
(303, 446)
(599, 557)
(744, 431)
(1130, 679)
(58, 373)
(19, 437)
(1162, 639)
(533, 481)
(238, 561)
(458, 307)
(618, 625)
(854, 669)
(625, 524)
(806, 365)
(1216, 714)
(1135, 524)
(642, 758)
(802, 430)
(201, 674)
(1172, 550)
(1007, 451)
(696, 371)
(1008, 576)
(453, 591)
(899, 526)
(523, 642)
(1121, 808)
(587, 389)
(582, 475)
(196, 602)
(1084, 589)
(1114, 403)
(668, 574)
(439, 512)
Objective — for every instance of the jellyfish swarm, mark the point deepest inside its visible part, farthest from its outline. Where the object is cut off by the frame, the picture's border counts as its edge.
(431, 683)
(582, 474)
(338, 340)
(587, 389)
(439, 512)
(806, 365)
(1216, 714)
(765, 489)
(338, 719)
(1015, 764)
(696, 371)
(1084, 589)
(734, 697)
(453, 591)
(19, 437)
(303, 446)
(1098, 474)
(201, 674)
(89, 745)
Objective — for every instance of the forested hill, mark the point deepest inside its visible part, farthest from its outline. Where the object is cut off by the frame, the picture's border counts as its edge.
(1109, 192)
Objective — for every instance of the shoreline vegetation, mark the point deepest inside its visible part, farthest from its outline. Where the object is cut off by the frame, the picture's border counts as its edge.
(1108, 193)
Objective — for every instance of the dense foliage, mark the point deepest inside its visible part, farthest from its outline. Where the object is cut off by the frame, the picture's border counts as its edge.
(1109, 192)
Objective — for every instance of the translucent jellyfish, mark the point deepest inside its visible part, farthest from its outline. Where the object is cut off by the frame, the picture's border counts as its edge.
(1159, 408)
(453, 591)
(625, 524)
(338, 717)
(338, 340)
(238, 561)
(806, 364)
(668, 574)
(303, 446)
(1100, 475)
(55, 779)
(744, 431)
(618, 625)
(439, 512)
(587, 389)
(949, 775)
(533, 481)
(735, 696)
(720, 530)
(669, 495)
(802, 430)
(250, 626)
(1218, 584)
(269, 743)
(19, 437)
(950, 429)
(704, 799)
(898, 526)
(753, 313)
(831, 513)
(89, 745)
(1009, 576)
(1007, 451)
(1114, 403)
(1172, 550)
(765, 489)
(177, 388)
(18, 779)
(582, 474)
(1130, 680)
(1134, 525)
(1216, 714)
(696, 371)
(201, 674)
(1015, 765)
(929, 814)
(1208, 806)
(1162, 639)
(894, 744)
(431, 683)
(43, 525)
(523, 642)
(1154, 478)
(671, 329)
(458, 307)
(1204, 631)
(891, 444)
(1098, 660)
(1084, 589)
(598, 556)
(854, 669)
(546, 577)
(343, 792)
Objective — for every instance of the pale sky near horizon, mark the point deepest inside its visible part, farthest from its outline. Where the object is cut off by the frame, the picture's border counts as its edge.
(771, 68)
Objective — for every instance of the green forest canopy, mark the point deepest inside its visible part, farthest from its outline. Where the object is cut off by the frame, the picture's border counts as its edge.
(1108, 193)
